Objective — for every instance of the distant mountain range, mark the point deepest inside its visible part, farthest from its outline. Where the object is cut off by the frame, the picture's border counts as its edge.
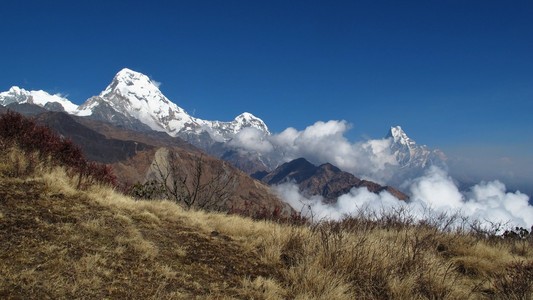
(133, 103)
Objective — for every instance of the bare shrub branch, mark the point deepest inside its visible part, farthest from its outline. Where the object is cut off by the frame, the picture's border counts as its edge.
(200, 186)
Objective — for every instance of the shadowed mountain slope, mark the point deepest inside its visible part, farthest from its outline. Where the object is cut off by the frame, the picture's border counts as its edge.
(326, 180)
(132, 155)
(95, 146)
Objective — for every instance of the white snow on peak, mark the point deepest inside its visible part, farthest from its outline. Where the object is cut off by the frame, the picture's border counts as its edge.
(247, 119)
(86, 109)
(127, 82)
(408, 154)
(135, 95)
(225, 131)
(40, 98)
(16, 90)
(399, 136)
(246, 116)
(136, 82)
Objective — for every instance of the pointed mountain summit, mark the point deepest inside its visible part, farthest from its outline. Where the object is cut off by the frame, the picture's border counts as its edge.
(248, 120)
(410, 155)
(136, 98)
(298, 170)
(399, 136)
(132, 100)
(325, 180)
(56, 102)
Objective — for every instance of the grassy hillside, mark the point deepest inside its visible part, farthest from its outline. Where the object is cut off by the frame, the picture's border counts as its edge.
(61, 242)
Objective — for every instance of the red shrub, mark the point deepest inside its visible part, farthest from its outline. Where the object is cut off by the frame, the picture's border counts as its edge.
(23, 132)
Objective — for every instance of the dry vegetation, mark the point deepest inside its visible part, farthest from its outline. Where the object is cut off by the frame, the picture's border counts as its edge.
(59, 241)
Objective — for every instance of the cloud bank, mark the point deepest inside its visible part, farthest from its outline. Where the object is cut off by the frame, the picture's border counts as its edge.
(433, 193)
(324, 142)
(252, 139)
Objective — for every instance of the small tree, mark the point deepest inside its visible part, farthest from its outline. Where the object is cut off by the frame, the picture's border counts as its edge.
(201, 186)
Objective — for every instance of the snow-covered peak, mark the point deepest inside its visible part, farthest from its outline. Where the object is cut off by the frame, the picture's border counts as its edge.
(135, 95)
(130, 77)
(127, 82)
(248, 120)
(16, 90)
(246, 116)
(410, 155)
(15, 95)
(125, 72)
(399, 136)
(134, 101)
(225, 131)
(40, 98)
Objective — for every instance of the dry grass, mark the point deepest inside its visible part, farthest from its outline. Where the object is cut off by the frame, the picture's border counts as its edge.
(59, 242)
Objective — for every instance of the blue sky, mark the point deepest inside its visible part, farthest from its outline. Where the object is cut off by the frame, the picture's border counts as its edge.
(457, 75)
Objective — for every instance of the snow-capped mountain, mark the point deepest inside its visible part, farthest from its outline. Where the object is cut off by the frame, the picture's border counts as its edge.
(133, 101)
(40, 98)
(409, 155)
(136, 98)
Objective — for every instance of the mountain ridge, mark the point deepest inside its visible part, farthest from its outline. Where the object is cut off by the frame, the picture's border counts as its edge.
(134, 101)
(41, 98)
(325, 180)
(137, 97)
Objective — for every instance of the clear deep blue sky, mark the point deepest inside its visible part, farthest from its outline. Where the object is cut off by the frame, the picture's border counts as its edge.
(457, 75)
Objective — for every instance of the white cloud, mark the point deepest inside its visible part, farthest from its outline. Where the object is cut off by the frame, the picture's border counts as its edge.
(156, 83)
(436, 190)
(434, 193)
(252, 139)
(325, 142)
(312, 207)
(489, 200)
